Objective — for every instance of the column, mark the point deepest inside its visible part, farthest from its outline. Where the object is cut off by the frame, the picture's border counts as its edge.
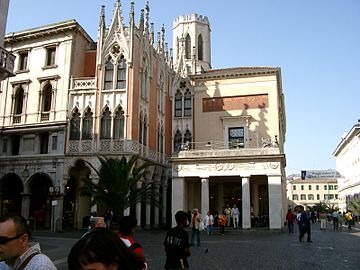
(204, 197)
(246, 221)
(156, 208)
(25, 205)
(276, 215)
(178, 197)
(164, 203)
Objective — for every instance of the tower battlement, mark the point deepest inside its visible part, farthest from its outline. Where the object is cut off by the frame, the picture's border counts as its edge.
(194, 17)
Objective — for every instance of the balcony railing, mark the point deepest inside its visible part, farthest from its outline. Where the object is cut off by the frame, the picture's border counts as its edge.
(6, 64)
(114, 146)
(78, 84)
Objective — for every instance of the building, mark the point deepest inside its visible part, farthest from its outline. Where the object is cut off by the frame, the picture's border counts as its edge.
(6, 57)
(347, 155)
(74, 98)
(312, 188)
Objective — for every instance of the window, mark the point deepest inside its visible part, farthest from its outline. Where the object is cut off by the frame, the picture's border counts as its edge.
(336, 196)
(50, 56)
(303, 197)
(188, 138)
(325, 187)
(335, 187)
(188, 47)
(318, 196)
(331, 187)
(87, 125)
(145, 132)
(317, 187)
(119, 124)
(177, 141)
(295, 197)
(236, 137)
(140, 129)
(310, 197)
(121, 73)
(47, 96)
(302, 187)
(19, 99)
(44, 142)
(54, 141)
(187, 103)
(200, 48)
(75, 126)
(23, 61)
(15, 144)
(178, 104)
(294, 187)
(331, 196)
(109, 74)
(309, 187)
(105, 128)
(326, 196)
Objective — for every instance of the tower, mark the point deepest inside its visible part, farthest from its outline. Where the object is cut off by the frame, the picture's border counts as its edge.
(192, 43)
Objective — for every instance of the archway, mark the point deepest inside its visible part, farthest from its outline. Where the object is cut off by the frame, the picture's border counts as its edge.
(11, 188)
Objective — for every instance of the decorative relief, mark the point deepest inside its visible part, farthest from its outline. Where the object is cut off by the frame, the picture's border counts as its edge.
(225, 166)
(74, 146)
(105, 145)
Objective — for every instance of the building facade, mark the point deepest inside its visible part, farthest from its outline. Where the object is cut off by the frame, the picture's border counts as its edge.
(347, 155)
(74, 98)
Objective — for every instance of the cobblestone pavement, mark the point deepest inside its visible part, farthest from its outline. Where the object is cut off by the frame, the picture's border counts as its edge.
(239, 249)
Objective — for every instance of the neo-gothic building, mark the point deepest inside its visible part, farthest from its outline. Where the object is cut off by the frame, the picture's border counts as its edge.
(216, 136)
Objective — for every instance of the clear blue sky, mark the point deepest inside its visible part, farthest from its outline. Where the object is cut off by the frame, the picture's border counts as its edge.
(316, 44)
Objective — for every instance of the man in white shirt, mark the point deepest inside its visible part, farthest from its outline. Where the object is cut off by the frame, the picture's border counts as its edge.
(235, 216)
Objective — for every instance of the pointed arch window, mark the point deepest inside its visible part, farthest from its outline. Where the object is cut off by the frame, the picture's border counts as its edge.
(144, 131)
(119, 124)
(140, 129)
(177, 48)
(187, 103)
(177, 141)
(188, 47)
(178, 104)
(19, 100)
(162, 140)
(109, 75)
(105, 126)
(188, 138)
(47, 97)
(75, 125)
(87, 125)
(145, 80)
(200, 48)
(121, 73)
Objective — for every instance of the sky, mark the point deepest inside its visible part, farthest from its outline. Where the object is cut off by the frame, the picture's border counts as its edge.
(315, 43)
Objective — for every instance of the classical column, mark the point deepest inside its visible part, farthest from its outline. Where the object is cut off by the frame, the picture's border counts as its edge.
(246, 221)
(178, 197)
(204, 197)
(276, 215)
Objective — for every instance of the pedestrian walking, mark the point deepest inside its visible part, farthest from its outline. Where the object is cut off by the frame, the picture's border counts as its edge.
(222, 223)
(335, 216)
(209, 223)
(323, 218)
(195, 227)
(235, 216)
(349, 219)
(176, 244)
(290, 217)
(340, 220)
(227, 212)
(305, 225)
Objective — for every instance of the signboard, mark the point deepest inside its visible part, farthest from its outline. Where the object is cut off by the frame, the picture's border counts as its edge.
(53, 203)
(320, 174)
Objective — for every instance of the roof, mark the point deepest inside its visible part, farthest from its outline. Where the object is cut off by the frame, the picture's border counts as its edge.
(355, 130)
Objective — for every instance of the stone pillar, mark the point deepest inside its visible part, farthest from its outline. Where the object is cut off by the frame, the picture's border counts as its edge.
(276, 215)
(156, 208)
(25, 205)
(220, 197)
(164, 203)
(246, 221)
(205, 204)
(178, 197)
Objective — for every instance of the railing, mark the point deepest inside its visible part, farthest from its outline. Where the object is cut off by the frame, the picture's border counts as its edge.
(7, 60)
(83, 83)
(45, 116)
(17, 119)
(114, 146)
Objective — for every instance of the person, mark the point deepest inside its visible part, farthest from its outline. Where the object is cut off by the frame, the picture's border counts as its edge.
(340, 220)
(194, 225)
(176, 244)
(349, 219)
(335, 217)
(97, 222)
(108, 218)
(102, 249)
(209, 223)
(305, 225)
(290, 221)
(15, 250)
(228, 215)
(127, 227)
(235, 216)
(222, 223)
(322, 217)
(298, 216)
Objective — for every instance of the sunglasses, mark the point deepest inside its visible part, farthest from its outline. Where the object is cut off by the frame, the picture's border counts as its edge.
(4, 239)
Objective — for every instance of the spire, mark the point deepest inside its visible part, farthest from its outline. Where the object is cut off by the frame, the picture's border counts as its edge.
(162, 37)
(141, 23)
(147, 12)
(152, 33)
(132, 13)
(102, 17)
(158, 42)
(117, 6)
(166, 50)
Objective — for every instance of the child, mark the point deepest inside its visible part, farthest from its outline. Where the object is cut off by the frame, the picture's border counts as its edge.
(222, 222)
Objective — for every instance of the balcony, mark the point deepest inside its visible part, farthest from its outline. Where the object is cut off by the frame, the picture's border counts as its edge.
(82, 84)
(6, 64)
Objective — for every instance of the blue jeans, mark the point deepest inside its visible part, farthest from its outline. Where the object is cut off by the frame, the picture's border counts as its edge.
(193, 232)
(209, 229)
(291, 227)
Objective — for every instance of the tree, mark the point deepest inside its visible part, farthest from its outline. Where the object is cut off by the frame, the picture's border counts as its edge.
(354, 206)
(321, 207)
(121, 184)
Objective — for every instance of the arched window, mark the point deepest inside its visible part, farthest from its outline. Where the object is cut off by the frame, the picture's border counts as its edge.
(140, 129)
(188, 138)
(19, 100)
(109, 74)
(178, 104)
(177, 141)
(187, 103)
(121, 73)
(295, 197)
(162, 140)
(177, 48)
(75, 126)
(145, 131)
(105, 127)
(87, 125)
(200, 48)
(144, 79)
(47, 96)
(188, 47)
(119, 124)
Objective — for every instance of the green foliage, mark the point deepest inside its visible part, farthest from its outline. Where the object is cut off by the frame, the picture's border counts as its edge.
(121, 184)
(322, 207)
(354, 206)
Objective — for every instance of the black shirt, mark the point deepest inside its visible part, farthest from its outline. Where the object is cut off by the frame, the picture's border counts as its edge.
(176, 242)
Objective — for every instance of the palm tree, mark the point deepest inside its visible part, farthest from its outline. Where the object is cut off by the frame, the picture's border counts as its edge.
(121, 184)
(354, 206)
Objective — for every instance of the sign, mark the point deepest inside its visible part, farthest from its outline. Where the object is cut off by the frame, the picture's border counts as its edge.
(320, 174)
(53, 203)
